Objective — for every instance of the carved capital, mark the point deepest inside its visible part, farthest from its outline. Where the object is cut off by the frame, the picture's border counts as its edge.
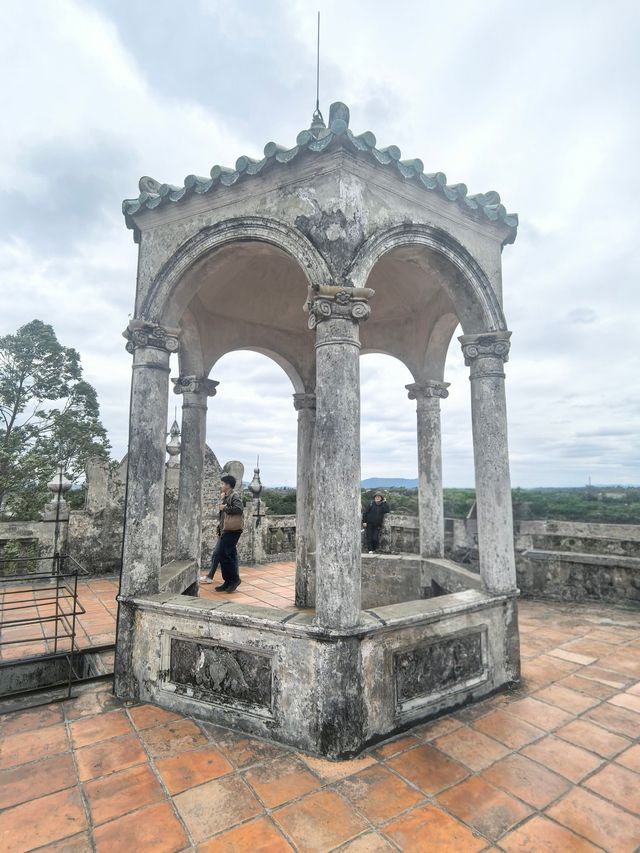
(485, 345)
(428, 388)
(343, 303)
(304, 401)
(195, 385)
(142, 333)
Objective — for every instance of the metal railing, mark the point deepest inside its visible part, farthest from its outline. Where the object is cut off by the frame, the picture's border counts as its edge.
(40, 607)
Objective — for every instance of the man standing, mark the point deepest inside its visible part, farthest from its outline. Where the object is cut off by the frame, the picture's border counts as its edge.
(372, 519)
(230, 524)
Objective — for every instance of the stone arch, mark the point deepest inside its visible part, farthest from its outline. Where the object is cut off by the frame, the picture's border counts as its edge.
(482, 311)
(159, 303)
(388, 352)
(438, 347)
(280, 360)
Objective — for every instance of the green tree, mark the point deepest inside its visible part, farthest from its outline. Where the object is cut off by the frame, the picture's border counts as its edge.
(48, 414)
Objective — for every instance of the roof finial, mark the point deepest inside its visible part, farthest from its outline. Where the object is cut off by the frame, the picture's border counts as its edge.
(317, 121)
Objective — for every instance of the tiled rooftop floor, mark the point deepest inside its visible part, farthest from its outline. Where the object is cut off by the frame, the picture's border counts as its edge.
(553, 766)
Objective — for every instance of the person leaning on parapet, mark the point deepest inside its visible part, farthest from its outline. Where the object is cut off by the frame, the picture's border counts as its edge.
(231, 520)
(372, 519)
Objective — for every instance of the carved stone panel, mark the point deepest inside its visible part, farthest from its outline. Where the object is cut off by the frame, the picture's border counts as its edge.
(220, 674)
(425, 672)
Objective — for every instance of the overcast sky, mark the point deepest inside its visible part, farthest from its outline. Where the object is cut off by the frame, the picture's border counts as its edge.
(536, 100)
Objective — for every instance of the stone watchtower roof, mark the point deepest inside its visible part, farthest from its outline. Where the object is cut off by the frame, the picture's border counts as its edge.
(314, 142)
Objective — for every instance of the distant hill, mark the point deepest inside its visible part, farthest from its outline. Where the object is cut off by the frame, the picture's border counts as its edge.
(388, 482)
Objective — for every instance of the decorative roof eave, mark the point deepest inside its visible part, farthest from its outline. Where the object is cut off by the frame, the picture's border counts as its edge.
(482, 205)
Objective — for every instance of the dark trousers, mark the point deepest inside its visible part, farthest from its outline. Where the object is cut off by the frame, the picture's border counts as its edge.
(229, 556)
(215, 559)
(373, 537)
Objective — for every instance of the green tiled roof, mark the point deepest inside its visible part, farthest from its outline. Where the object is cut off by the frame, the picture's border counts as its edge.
(314, 141)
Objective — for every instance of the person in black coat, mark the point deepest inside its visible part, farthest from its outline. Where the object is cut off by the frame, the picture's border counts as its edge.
(372, 519)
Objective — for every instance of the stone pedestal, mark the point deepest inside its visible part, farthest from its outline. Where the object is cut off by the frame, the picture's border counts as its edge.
(486, 354)
(151, 346)
(194, 391)
(305, 405)
(335, 318)
(430, 504)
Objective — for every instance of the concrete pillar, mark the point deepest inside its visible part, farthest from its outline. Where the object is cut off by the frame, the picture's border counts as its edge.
(430, 503)
(335, 315)
(305, 405)
(486, 354)
(151, 346)
(195, 391)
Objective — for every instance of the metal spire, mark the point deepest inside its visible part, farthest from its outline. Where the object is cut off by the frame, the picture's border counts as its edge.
(317, 121)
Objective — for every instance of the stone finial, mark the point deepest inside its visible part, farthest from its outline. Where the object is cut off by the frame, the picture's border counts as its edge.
(330, 302)
(485, 345)
(195, 385)
(255, 486)
(143, 333)
(57, 507)
(173, 445)
(428, 388)
(304, 401)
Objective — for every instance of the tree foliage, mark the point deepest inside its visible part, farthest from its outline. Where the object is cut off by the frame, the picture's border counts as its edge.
(48, 414)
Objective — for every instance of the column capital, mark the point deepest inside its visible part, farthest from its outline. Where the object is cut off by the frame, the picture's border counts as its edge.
(330, 302)
(485, 345)
(304, 401)
(428, 388)
(195, 385)
(143, 333)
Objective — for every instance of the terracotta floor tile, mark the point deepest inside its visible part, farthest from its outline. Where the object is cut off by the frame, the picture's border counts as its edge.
(192, 768)
(592, 737)
(333, 771)
(444, 833)
(539, 714)
(379, 794)
(216, 806)
(527, 780)
(277, 782)
(627, 700)
(179, 736)
(155, 828)
(28, 746)
(257, 836)
(588, 686)
(571, 761)
(635, 689)
(436, 728)
(319, 822)
(30, 781)
(242, 750)
(148, 716)
(510, 731)
(590, 647)
(119, 793)
(484, 807)
(428, 768)
(626, 661)
(393, 747)
(618, 784)
(368, 843)
(572, 657)
(609, 677)
(569, 700)
(25, 721)
(42, 821)
(472, 748)
(618, 720)
(96, 700)
(631, 758)
(76, 844)
(101, 727)
(107, 757)
(541, 835)
(601, 822)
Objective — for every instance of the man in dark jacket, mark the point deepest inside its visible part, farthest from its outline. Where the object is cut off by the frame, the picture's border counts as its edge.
(231, 506)
(372, 519)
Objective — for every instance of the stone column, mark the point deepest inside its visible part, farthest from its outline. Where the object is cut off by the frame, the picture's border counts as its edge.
(486, 354)
(335, 314)
(305, 405)
(430, 504)
(195, 391)
(151, 346)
